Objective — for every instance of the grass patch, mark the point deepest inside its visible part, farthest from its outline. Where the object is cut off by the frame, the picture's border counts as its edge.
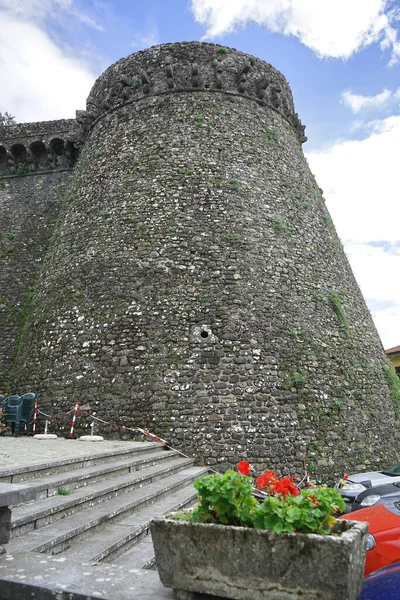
(63, 491)
(280, 224)
(297, 380)
(335, 301)
(23, 171)
(271, 134)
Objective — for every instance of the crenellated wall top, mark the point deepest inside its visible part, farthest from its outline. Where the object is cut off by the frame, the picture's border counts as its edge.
(189, 67)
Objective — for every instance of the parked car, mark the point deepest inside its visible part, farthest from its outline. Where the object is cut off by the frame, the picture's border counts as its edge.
(383, 584)
(383, 538)
(379, 494)
(352, 485)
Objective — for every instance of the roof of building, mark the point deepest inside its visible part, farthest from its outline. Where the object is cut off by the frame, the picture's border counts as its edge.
(393, 350)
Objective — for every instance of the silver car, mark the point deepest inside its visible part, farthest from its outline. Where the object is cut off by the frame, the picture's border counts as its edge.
(351, 486)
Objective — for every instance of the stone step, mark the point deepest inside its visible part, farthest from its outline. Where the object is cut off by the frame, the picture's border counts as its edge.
(112, 544)
(34, 471)
(40, 513)
(60, 535)
(84, 476)
(140, 556)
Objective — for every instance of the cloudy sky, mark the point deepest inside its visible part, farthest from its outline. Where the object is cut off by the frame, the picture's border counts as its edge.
(341, 58)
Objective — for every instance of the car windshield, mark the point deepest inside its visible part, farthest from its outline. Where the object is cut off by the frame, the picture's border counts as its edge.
(392, 471)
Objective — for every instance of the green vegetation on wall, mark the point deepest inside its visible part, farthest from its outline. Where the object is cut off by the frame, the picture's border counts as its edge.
(393, 382)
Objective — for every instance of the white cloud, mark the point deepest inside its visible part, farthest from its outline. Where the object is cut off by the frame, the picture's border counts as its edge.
(360, 182)
(331, 28)
(40, 10)
(376, 271)
(147, 38)
(39, 81)
(357, 102)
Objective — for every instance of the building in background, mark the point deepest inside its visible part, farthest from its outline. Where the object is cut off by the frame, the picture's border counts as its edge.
(393, 355)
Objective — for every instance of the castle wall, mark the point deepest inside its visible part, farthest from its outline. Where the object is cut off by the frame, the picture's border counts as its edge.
(35, 169)
(196, 285)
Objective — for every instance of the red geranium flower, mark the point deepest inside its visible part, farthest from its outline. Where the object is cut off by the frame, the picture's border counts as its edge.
(285, 486)
(313, 499)
(266, 479)
(244, 467)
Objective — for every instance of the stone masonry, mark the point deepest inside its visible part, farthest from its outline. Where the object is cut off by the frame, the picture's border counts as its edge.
(193, 282)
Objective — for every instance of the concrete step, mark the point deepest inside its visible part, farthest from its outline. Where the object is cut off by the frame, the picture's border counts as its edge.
(48, 485)
(127, 534)
(60, 535)
(140, 556)
(39, 470)
(40, 513)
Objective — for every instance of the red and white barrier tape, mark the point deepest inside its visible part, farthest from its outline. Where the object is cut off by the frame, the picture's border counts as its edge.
(59, 416)
(76, 407)
(35, 413)
(147, 433)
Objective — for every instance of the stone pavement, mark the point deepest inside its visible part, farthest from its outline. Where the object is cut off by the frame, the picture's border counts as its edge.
(22, 451)
(58, 576)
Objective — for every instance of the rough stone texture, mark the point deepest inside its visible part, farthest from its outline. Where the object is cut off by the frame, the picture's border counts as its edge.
(38, 147)
(35, 164)
(66, 580)
(29, 208)
(11, 493)
(196, 285)
(5, 524)
(252, 564)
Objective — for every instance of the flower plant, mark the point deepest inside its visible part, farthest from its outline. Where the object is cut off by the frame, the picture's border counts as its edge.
(228, 499)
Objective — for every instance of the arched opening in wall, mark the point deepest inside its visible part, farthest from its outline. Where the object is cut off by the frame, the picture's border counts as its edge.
(58, 152)
(39, 154)
(4, 166)
(19, 152)
(20, 156)
(72, 152)
(57, 146)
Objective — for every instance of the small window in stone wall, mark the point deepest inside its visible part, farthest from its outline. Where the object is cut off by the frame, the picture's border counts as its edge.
(202, 334)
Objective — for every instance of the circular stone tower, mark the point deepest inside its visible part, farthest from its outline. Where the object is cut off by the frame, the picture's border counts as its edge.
(196, 285)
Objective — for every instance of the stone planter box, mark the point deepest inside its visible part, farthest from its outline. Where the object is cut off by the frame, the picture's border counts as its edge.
(253, 564)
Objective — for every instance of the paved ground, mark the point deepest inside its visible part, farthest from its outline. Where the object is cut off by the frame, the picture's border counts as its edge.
(21, 451)
(19, 576)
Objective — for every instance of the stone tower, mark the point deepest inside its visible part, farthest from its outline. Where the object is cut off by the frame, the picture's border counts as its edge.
(196, 285)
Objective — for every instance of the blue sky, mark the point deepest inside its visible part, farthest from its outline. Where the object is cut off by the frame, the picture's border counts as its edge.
(341, 58)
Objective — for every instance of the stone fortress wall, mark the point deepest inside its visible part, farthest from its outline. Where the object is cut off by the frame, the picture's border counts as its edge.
(36, 161)
(194, 283)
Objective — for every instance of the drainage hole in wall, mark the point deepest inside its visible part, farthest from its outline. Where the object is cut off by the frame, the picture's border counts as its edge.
(204, 334)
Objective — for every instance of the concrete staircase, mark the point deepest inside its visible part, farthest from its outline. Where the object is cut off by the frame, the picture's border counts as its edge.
(96, 510)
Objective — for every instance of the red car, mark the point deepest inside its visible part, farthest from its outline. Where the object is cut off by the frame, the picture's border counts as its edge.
(383, 534)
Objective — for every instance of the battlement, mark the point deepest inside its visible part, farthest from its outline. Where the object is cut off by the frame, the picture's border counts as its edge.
(44, 146)
(189, 67)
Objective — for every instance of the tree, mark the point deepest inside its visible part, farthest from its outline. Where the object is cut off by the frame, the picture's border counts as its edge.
(7, 119)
